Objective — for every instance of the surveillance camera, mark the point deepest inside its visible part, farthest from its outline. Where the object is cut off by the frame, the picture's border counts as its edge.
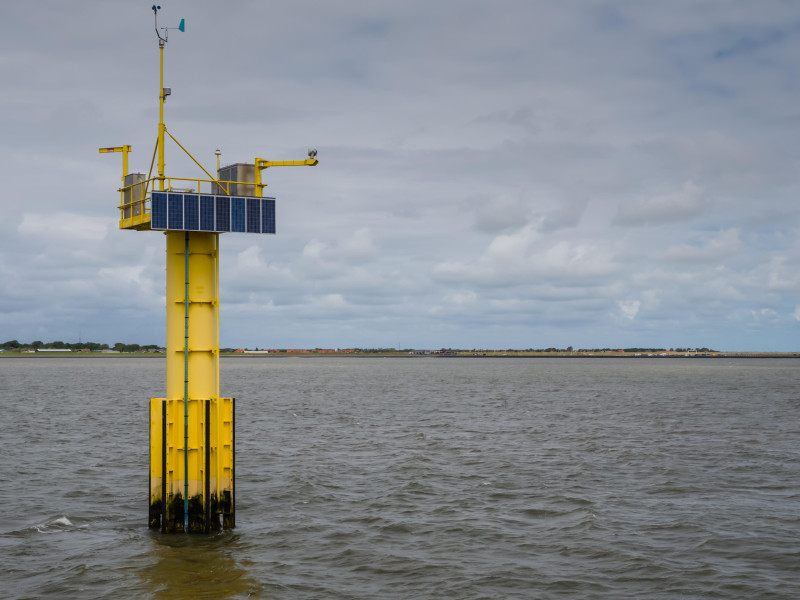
(312, 152)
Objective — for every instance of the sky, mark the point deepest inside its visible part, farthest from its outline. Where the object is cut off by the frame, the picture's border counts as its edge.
(492, 173)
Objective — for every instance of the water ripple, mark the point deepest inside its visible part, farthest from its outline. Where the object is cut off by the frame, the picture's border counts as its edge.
(418, 479)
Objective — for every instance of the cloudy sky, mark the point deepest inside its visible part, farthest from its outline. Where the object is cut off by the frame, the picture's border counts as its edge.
(493, 173)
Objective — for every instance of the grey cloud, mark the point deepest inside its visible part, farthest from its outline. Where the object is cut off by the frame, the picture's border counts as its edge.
(680, 206)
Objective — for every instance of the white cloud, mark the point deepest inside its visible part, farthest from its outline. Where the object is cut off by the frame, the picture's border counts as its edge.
(332, 301)
(63, 225)
(684, 205)
(629, 308)
(766, 314)
(358, 247)
(719, 247)
(525, 257)
(782, 276)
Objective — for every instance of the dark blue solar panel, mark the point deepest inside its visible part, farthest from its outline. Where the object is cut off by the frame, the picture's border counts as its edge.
(191, 212)
(158, 210)
(268, 215)
(175, 211)
(206, 213)
(237, 215)
(253, 215)
(223, 213)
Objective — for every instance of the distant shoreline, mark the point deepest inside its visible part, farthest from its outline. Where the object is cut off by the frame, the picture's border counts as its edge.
(356, 355)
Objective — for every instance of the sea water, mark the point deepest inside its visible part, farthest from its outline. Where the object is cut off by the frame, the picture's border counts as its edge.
(416, 478)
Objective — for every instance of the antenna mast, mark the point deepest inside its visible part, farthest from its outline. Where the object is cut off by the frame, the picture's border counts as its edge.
(162, 93)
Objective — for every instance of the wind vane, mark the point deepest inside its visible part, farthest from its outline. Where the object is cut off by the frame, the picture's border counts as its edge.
(192, 429)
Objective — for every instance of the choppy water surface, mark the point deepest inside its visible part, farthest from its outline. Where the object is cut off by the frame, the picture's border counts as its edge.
(417, 478)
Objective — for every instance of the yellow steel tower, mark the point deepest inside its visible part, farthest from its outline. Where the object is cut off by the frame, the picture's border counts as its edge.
(192, 463)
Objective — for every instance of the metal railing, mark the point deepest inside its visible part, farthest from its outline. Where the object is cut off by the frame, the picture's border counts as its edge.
(135, 198)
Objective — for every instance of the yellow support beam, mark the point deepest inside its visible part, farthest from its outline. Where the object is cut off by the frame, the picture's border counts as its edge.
(191, 453)
(161, 127)
(124, 149)
(210, 461)
(265, 164)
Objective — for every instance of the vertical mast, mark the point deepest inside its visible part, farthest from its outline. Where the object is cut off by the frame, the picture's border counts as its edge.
(161, 43)
(161, 164)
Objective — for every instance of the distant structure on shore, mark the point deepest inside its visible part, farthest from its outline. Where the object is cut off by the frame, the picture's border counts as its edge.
(62, 348)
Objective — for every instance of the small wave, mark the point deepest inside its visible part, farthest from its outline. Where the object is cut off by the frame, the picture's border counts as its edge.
(56, 525)
(53, 525)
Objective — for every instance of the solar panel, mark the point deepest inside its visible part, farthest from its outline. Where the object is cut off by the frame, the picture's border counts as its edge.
(207, 213)
(191, 212)
(173, 211)
(158, 209)
(253, 223)
(237, 215)
(223, 213)
(268, 215)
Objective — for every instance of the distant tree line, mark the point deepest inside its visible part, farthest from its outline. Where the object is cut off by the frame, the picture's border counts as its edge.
(12, 345)
(15, 345)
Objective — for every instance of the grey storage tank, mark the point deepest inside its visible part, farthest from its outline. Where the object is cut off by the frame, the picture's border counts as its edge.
(134, 193)
(237, 172)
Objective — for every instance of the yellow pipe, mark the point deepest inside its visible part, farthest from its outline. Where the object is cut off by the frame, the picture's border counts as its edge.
(192, 359)
(216, 298)
(260, 163)
(189, 154)
(202, 313)
(125, 150)
(161, 164)
(217, 446)
(150, 172)
(263, 164)
(186, 384)
(199, 466)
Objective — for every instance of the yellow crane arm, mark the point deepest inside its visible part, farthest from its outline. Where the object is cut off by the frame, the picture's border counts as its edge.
(264, 164)
(124, 149)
